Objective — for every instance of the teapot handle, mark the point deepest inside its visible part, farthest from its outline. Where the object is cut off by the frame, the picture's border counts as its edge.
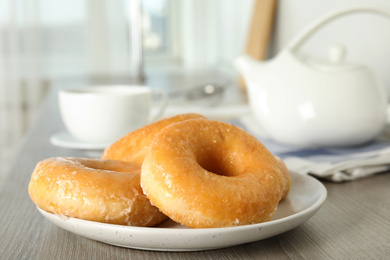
(301, 37)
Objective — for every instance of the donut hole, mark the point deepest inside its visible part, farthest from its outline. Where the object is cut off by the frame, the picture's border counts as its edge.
(107, 165)
(214, 162)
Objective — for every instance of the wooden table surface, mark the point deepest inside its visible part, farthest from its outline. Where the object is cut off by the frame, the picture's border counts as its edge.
(353, 223)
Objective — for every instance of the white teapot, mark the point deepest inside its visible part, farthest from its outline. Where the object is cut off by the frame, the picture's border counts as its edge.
(302, 101)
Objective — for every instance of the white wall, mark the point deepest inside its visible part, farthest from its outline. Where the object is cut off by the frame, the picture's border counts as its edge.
(366, 36)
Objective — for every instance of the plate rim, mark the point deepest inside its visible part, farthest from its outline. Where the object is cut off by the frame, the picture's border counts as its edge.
(56, 140)
(306, 213)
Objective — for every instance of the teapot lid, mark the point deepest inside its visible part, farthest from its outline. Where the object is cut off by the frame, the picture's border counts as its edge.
(334, 63)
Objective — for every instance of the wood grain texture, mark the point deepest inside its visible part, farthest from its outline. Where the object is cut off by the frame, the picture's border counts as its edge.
(259, 32)
(354, 222)
(260, 28)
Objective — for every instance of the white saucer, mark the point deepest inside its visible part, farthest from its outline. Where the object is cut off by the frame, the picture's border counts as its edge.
(306, 196)
(64, 139)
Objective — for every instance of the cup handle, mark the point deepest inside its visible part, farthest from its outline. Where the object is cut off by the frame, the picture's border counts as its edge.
(163, 104)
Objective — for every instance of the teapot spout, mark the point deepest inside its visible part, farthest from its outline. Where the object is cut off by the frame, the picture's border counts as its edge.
(246, 66)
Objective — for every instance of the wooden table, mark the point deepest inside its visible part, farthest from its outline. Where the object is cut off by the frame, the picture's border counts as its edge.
(354, 222)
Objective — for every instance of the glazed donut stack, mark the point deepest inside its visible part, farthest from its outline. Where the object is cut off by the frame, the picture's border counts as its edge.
(198, 172)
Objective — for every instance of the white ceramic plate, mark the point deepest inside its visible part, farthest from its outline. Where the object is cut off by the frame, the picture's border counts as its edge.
(65, 140)
(305, 198)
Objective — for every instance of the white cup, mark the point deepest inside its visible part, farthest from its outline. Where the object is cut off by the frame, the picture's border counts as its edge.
(106, 113)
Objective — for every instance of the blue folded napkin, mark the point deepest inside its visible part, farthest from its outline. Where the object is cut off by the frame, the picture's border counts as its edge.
(335, 164)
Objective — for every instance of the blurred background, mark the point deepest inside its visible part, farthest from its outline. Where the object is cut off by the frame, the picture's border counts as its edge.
(46, 42)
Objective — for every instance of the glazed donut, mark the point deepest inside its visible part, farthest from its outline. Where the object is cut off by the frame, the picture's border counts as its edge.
(286, 177)
(133, 146)
(207, 174)
(93, 189)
